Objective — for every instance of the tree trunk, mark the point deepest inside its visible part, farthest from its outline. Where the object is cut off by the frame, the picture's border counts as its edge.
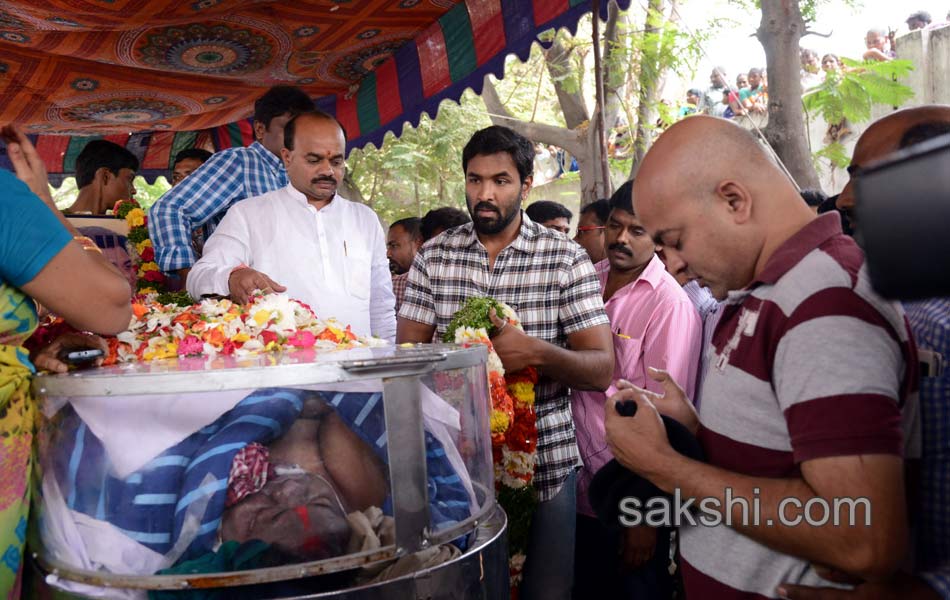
(649, 79)
(349, 189)
(558, 62)
(779, 32)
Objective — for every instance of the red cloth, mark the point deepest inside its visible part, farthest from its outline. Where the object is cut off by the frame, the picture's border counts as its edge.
(249, 472)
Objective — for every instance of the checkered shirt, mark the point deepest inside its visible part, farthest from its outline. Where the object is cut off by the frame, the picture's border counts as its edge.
(399, 288)
(551, 284)
(204, 196)
(930, 323)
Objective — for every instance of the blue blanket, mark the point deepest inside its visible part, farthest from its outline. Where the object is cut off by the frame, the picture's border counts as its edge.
(151, 504)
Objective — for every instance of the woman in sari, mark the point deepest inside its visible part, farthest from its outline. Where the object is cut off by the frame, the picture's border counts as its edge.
(42, 259)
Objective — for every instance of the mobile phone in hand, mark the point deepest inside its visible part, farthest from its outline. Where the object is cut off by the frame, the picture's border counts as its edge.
(82, 357)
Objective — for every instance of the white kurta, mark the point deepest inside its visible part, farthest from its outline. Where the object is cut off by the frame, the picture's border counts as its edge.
(333, 259)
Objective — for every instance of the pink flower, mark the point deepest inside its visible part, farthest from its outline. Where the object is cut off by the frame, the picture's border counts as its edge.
(189, 346)
(268, 337)
(302, 339)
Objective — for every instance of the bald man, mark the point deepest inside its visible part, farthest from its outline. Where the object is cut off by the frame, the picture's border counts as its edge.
(931, 329)
(807, 371)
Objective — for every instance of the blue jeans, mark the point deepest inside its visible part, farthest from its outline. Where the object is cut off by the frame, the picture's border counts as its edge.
(549, 569)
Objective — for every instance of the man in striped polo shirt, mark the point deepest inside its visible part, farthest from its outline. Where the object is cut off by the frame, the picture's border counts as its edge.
(928, 318)
(808, 369)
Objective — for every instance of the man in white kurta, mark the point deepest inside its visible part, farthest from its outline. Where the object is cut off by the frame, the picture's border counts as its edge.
(323, 249)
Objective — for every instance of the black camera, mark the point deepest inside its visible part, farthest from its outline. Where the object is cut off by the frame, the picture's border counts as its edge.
(903, 211)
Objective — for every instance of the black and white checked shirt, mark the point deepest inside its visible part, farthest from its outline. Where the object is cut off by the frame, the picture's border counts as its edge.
(551, 284)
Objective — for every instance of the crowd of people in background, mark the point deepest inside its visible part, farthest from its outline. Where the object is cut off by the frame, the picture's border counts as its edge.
(748, 98)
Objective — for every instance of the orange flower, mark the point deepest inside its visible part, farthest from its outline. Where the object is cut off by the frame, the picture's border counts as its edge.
(215, 337)
(328, 335)
(185, 318)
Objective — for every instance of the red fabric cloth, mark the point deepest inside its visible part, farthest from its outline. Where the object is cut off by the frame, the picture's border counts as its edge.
(250, 470)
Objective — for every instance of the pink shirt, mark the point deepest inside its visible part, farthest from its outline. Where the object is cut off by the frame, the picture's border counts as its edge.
(654, 324)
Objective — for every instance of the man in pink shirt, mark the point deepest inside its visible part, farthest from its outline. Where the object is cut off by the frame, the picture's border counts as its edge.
(654, 324)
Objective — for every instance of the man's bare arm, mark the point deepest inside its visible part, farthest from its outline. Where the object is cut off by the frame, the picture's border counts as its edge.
(413, 332)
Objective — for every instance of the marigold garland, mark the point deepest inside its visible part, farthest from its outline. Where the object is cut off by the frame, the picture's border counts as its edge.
(514, 432)
(149, 276)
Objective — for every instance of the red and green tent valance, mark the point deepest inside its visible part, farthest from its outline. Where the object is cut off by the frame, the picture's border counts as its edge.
(158, 76)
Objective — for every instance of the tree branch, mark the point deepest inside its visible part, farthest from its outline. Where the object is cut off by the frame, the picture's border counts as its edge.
(536, 132)
(558, 62)
(615, 57)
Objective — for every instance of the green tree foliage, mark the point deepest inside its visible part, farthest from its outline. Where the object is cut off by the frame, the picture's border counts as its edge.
(422, 168)
(850, 94)
(145, 193)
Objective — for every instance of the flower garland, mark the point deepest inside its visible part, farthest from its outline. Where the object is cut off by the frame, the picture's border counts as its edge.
(150, 278)
(265, 324)
(513, 425)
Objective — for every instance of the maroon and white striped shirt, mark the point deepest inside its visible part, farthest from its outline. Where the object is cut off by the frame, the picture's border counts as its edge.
(807, 362)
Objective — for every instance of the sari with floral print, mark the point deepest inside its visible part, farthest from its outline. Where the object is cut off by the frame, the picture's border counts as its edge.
(17, 322)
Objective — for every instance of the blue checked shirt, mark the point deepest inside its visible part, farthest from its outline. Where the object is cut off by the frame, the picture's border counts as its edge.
(930, 322)
(204, 196)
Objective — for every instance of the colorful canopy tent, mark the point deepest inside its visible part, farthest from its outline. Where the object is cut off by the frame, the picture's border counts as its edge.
(158, 76)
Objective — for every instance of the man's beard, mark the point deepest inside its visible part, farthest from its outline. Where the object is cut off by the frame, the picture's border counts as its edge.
(490, 226)
(396, 269)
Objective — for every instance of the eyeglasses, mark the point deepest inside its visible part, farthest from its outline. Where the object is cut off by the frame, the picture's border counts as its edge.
(583, 228)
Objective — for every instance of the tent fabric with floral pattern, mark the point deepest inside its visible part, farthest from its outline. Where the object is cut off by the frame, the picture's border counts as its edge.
(159, 76)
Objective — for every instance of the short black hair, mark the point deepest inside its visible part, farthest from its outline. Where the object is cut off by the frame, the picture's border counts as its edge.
(197, 153)
(290, 129)
(623, 198)
(757, 70)
(694, 92)
(920, 15)
(600, 208)
(813, 197)
(807, 52)
(921, 132)
(412, 225)
(441, 219)
(281, 99)
(102, 153)
(542, 211)
(496, 138)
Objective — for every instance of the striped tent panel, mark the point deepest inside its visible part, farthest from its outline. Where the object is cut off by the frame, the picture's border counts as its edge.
(454, 51)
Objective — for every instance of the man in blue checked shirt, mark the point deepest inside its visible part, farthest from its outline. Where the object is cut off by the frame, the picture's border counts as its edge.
(930, 514)
(228, 177)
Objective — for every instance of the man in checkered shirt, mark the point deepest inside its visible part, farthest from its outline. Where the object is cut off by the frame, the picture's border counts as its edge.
(550, 282)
